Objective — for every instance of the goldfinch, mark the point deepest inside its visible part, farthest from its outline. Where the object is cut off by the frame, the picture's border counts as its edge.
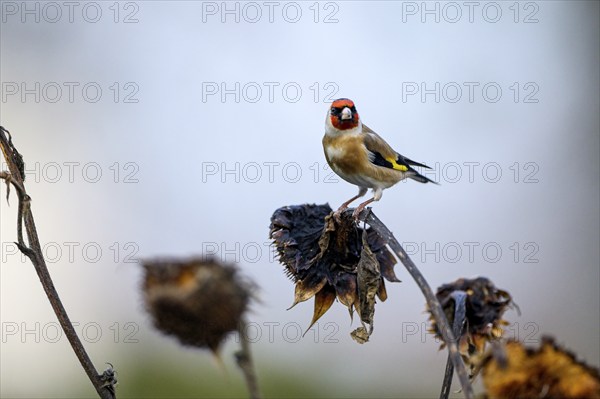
(361, 157)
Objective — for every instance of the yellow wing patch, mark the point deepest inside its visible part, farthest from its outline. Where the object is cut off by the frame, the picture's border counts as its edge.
(396, 165)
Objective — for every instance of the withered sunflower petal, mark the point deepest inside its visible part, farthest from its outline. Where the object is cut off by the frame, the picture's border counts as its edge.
(307, 288)
(346, 288)
(382, 292)
(387, 271)
(323, 301)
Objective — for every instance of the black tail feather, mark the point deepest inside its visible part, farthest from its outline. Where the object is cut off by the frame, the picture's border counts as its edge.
(420, 178)
(412, 163)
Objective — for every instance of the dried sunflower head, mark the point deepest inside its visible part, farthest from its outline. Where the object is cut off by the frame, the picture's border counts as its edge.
(549, 371)
(485, 304)
(331, 257)
(199, 301)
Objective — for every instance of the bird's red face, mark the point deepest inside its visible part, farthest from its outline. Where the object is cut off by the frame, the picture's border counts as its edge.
(343, 114)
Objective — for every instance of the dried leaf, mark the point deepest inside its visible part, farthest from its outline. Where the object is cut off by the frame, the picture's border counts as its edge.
(360, 335)
(7, 182)
(368, 278)
(339, 248)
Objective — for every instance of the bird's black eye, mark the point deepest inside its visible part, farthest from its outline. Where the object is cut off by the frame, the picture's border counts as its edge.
(335, 111)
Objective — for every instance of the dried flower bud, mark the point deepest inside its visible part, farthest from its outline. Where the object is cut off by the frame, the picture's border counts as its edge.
(485, 305)
(330, 257)
(546, 372)
(199, 301)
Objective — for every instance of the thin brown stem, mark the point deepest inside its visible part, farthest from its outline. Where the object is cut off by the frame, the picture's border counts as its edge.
(460, 317)
(432, 301)
(246, 364)
(34, 253)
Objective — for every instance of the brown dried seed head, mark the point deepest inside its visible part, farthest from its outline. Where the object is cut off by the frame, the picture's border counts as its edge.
(199, 301)
(322, 253)
(548, 371)
(485, 305)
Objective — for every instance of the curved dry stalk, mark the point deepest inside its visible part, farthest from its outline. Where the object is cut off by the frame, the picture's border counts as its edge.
(460, 317)
(15, 176)
(244, 361)
(432, 301)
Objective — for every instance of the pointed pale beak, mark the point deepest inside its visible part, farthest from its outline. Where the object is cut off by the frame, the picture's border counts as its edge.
(346, 114)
